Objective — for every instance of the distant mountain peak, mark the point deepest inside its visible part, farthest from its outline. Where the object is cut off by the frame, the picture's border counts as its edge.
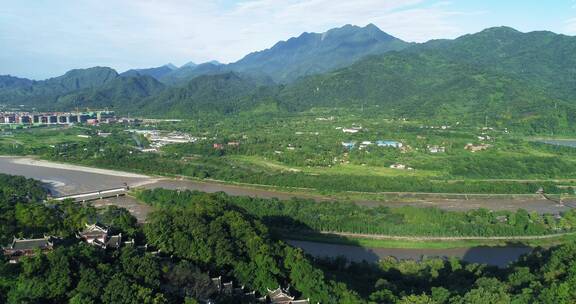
(189, 65)
(501, 30)
(170, 66)
(371, 26)
(314, 53)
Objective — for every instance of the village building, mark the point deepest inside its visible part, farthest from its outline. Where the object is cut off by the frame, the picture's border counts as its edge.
(436, 149)
(475, 148)
(281, 296)
(349, 145)
(389, 144)
(400, 167)
(351, 131)
(98, 236)
(227, 288)
(27, 247)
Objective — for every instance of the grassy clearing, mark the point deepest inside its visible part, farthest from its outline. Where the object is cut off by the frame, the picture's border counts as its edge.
(340, 169)
(40, 137)
(371, 243)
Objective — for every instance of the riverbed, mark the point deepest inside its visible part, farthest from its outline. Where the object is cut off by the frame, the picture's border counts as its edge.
(69, 179)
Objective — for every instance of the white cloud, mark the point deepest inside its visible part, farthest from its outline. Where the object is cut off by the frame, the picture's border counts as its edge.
(257, 24)
(570, 26)
(131, 33)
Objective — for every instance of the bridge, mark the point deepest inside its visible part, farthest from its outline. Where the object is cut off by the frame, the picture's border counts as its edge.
(95, 195)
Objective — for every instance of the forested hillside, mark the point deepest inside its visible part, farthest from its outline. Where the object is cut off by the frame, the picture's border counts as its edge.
(156, 73)
(521, 79)
(43, 94)
(223, 93)
(121, 94)
(201, 236)
(315, 53)
(544, 276)
(199, 240)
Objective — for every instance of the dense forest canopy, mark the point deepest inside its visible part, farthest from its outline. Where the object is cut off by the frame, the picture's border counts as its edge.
(542, 277)
(202, 239)
(206, 235)
(304, 216)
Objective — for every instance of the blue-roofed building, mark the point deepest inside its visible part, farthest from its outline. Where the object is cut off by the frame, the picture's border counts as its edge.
(389, 143)
(349, 145)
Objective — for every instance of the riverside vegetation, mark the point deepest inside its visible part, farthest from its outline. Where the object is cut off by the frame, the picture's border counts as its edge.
(303, 152)
(543, 276)
(204, 235)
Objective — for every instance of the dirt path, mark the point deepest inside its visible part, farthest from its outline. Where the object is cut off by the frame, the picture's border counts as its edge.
(448, 238)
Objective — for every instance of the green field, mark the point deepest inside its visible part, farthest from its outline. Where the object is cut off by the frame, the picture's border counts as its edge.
(373, 243)
(305, 152)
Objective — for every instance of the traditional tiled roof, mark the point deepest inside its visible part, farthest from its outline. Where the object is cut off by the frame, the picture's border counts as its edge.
(93, 230)
(228, 287)
(114, 241)
(29, 244)
(217, 282)
(278, 296)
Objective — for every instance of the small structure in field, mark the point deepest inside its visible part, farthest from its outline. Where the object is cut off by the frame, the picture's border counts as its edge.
(436, 149)
(349, 145)
(350, 130)
(400, 167)
(475, 148)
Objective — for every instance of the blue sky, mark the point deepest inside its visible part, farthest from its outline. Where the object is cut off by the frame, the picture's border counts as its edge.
(45, 38)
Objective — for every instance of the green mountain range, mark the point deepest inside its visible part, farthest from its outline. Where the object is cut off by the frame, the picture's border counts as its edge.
(121, 94)
(314, 53)
(517, 79)
(156, 73)
(286, 61)
(42, 94)
(511, 77)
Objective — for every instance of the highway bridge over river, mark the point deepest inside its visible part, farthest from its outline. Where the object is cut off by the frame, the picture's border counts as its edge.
(94, 195)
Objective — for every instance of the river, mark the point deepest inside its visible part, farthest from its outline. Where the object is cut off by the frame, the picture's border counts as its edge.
(497, 256)
(68, 179)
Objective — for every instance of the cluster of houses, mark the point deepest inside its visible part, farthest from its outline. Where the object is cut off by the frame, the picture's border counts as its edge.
(95, 235)
(380, 143)
(231, 144)
(442, 127)
(160, 139)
